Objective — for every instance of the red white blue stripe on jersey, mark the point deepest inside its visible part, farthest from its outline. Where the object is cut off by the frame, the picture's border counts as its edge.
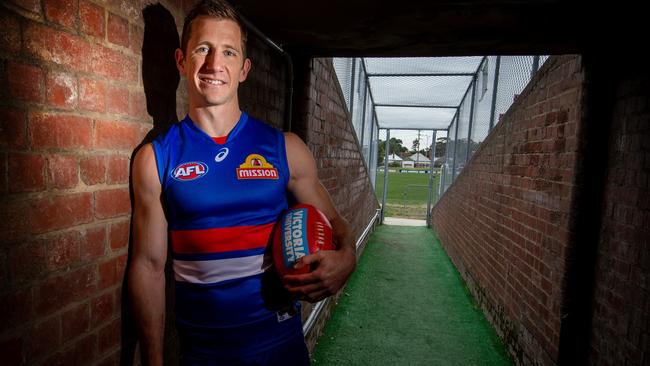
(217, 240)
(219, 254)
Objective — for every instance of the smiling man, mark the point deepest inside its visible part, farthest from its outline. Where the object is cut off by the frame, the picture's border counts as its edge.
(195, 185)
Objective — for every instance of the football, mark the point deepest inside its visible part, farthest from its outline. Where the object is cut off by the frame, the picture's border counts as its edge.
(301, 230)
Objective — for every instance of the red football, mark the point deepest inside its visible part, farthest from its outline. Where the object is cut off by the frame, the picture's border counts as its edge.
(301, 230)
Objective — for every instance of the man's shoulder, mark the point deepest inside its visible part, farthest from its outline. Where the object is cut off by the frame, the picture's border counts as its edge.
(169, 134)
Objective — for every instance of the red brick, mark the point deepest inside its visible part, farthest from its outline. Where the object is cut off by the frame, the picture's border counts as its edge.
(130, 9)
(61, 11)
(56, 46)
(63, 171)
(108, 274)
(91, 18)
(114, 65)
(80, 353)
(113, 359)
(111, 203)
(138, 105)
(136, 39)
(13, 220)
(58, 292)
(109, 336)
(94, 245)
(21, 270)
(118, 100)
(4, 186)
(118, 135)
(13, 127)
(93, 170)
(119, 235)
(16, 307)
(58, 212)
(25, 82)
(121, 265)
(60, 131)
(33, 6)
(11, 350)
(62, 250)
(26, 173)
(92, 95)
(61, 90)
(118, 170)
(102, 309)
(118, 30)
(76, 321)
(10, 36)
(43, 339)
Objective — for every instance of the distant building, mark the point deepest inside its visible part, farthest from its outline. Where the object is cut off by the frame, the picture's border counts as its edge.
(418, 161)
(394, 159)
(408, 163)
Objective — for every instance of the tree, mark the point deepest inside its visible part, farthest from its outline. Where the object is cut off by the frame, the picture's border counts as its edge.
(441, 146)
(395, 148)
(416, 146)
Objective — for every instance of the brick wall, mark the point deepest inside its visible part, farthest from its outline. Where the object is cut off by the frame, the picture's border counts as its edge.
(322, 120)
(506, 220)
(86, 83)
(621, 320)
(72, 112)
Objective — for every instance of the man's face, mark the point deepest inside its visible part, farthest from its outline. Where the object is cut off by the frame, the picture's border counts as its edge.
(213, 63)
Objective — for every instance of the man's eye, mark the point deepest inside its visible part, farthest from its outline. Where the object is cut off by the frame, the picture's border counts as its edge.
(202, 50)
(229, 53)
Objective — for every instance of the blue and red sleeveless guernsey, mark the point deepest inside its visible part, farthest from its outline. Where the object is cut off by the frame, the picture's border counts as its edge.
(222, 202)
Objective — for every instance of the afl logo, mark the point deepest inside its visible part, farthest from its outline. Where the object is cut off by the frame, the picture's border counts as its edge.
(189, 171)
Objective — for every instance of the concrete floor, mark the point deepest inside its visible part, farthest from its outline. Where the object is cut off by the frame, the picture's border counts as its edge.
(404, 222)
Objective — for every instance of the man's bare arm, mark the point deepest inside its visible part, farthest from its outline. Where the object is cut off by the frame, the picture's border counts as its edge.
(146, 279)
(332, 267)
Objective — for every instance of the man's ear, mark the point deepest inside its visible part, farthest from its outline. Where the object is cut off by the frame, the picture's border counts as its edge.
(180, 60)
(244, 70)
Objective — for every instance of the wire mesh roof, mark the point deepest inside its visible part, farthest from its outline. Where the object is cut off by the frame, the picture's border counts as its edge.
(419, 93)
(414, 118)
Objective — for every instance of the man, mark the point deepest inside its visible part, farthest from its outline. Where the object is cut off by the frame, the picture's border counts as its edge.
(192, 181)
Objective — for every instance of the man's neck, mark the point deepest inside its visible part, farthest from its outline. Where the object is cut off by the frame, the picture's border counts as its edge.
(215, 120)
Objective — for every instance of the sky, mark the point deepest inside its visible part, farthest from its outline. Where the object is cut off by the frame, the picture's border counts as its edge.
(407, 136)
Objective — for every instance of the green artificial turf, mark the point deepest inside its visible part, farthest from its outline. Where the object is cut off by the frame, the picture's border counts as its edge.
(415, 185)
(406, 304)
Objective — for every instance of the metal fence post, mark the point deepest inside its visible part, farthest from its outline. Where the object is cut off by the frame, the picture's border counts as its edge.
(453, 168)
(494, 92)
(383, 200)
(370, 143)
(443, 168)
(535, 66)
(363, 114)
(430, 195)
(354, 65)
(471, 120)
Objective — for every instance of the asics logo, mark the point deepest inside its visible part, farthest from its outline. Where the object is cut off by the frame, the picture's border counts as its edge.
(221, 155)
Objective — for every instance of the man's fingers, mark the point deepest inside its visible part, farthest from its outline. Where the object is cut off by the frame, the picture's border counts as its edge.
(307, 260)
(305, 290)
(301, 279)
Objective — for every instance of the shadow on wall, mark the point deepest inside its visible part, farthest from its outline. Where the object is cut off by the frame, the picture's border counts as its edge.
(160, 80)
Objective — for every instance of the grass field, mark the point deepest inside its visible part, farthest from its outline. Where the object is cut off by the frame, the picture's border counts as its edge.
(407, 193)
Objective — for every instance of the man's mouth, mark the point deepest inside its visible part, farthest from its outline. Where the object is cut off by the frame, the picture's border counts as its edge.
(212, 81)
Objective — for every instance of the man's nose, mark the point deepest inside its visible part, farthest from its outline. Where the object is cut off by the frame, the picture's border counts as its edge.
(215, 61)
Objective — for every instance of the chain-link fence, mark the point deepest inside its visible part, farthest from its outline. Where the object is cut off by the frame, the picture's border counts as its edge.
(462, 96)
(353, 79)
(497, 83)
